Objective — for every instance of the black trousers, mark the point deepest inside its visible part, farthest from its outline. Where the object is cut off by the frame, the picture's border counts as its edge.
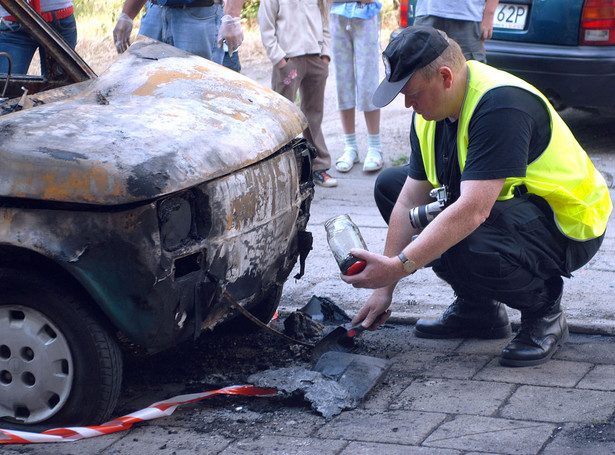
(514, 257)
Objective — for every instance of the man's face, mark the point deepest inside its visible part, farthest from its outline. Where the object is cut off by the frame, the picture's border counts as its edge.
(426, 96)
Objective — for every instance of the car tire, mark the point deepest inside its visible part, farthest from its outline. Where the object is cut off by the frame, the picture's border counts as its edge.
(58, 365)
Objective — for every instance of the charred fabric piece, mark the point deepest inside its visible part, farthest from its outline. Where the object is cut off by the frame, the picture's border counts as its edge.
(324, 310)
(301, 326)
(338, 382)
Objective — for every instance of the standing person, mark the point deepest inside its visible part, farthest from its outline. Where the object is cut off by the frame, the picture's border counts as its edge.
(525, 205)
(18, 43)
(468, 22)
(296, 37)
(354, 35)
(232, 61)
(198, 26)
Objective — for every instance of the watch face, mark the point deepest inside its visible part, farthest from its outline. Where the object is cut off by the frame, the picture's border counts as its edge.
(409, 266)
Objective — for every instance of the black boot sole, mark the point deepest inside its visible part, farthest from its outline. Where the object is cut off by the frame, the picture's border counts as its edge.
(485, 334)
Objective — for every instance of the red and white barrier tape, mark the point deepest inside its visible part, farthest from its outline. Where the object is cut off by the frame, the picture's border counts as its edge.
(154, 411)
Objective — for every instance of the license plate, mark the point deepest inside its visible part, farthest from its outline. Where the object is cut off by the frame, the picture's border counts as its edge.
(511, 16)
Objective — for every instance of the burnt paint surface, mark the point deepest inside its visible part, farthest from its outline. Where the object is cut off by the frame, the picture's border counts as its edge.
(117, 255)
(86, 168)
(170, 120)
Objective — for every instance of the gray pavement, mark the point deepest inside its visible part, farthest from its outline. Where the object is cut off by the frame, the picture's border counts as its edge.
(441, 397)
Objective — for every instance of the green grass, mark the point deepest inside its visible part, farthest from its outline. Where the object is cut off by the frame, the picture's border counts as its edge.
(96, 18)
(400, 160)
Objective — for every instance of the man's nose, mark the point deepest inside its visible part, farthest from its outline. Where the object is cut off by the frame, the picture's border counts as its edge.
(409, 103)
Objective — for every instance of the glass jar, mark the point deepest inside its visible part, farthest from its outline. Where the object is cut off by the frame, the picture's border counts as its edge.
(343, 235)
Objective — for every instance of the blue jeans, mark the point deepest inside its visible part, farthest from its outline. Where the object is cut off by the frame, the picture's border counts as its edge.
(15, 41)
(232, 61)
(192, 29)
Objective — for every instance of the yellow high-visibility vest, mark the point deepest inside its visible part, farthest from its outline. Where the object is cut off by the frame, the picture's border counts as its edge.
(563, 174)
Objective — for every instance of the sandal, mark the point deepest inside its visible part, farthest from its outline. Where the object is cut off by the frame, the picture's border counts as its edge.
(345, 162)
(373, 161)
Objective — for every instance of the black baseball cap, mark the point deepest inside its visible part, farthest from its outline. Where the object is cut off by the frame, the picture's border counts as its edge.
(414, 48)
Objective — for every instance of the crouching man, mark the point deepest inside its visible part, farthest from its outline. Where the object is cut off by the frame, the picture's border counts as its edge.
(524, 204)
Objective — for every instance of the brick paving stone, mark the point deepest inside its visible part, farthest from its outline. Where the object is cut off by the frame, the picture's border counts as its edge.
(387, 392)
(601, 377)
(295, 421)
(555, 404)
(283, 445)
(559, 373)
(440, 346)
(588, 348)
(416, 363)
(364, 448)
(575, 439)
(150, 439)
(458, 366)
(491, 435)
(400, 427)
(454, 396)
(486, 347)
(86, 446)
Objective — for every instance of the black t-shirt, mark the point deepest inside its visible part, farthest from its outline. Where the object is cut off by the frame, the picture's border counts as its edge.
(509, 128)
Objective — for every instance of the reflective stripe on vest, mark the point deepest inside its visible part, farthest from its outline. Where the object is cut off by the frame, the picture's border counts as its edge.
(563, 174)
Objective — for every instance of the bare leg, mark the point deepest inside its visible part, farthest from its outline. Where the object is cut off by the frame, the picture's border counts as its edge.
(347, 116)
(372, 120)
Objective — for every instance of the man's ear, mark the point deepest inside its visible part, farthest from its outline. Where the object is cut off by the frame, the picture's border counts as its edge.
(446, 75)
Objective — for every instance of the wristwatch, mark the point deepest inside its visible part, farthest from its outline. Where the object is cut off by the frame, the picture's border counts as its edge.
(409, 266)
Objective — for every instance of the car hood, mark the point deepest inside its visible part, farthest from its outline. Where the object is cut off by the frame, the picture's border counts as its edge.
(157, 121)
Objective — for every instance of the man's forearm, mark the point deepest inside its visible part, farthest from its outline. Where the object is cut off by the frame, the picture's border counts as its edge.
(132, 7)
(413, 194)
(457, 221)
(233, 7)
(489, 11)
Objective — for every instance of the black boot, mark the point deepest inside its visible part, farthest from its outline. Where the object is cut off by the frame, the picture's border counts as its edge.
(465, 318)
(538, 338)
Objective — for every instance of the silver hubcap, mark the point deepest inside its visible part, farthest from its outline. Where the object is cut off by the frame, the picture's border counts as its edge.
(36, 366)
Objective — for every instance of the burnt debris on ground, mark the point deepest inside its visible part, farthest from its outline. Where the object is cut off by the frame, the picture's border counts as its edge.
(221, 358)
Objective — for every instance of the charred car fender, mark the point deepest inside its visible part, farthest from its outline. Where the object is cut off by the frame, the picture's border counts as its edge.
(154, 268)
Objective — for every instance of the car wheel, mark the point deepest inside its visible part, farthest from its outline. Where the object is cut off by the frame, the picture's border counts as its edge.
(58, 365)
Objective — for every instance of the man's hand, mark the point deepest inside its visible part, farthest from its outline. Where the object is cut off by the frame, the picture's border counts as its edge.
(231, 32)
(121, 32)
(379, 272)
(375, 306)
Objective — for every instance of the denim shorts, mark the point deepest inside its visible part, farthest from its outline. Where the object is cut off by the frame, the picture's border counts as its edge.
(15, 41)
(192, 29)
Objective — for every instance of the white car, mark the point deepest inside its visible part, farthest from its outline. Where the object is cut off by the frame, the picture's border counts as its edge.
(129, 204)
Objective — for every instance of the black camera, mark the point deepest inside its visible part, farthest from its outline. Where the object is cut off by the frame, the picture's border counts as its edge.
(422, 215)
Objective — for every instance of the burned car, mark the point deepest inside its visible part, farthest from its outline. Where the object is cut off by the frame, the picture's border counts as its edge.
(132, 205)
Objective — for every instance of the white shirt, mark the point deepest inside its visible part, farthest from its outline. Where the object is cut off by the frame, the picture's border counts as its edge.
(292, 28)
